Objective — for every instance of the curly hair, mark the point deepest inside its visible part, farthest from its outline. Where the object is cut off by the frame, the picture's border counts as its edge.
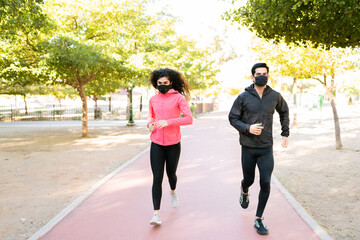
(178, 81)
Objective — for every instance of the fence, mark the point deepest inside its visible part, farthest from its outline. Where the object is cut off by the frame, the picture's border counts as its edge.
(58, 112)
(55, 112)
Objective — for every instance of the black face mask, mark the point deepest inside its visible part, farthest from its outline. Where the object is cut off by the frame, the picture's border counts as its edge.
(261, 80)
(164, 88)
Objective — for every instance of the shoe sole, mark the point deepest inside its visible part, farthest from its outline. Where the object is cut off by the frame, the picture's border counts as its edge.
(155, 223)
(177, 202)
(257, 230)
(243, 206)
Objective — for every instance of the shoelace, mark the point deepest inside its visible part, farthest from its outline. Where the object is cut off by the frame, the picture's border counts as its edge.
(260, 222)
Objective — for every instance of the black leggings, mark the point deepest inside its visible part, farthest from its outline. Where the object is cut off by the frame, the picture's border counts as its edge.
(158, 156)
(264, 159)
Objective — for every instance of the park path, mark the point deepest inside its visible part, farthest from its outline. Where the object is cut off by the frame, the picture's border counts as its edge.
(209, 177)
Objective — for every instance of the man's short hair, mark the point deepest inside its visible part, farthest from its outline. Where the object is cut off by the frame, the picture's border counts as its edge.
(259, 65)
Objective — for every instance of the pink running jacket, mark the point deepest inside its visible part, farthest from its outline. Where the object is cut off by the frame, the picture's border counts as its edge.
(168, 107)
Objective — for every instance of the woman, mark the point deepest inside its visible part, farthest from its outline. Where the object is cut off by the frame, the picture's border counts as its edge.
(165, 109)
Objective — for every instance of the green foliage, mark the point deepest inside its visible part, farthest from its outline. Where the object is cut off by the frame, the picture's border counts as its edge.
(18, 70)
(304, 62)
(234, 91)
(195, 63)
(329, 23)
(98, 45)
(23, 25)
(23, 20)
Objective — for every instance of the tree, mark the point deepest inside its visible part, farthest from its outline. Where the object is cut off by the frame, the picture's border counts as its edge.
(23, 21)
(23, 26)
(104, 27)
(18, 74)
(288, 61)
(153, 43)
(77, 64)
(330, 23)
(196, 64)
(306, 62)
(93, 46)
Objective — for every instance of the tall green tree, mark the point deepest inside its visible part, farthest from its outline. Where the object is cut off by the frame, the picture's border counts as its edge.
(93, 46)
(330, 23)
(23, 27)
(89, 52)
(78, 65)
(23, 21)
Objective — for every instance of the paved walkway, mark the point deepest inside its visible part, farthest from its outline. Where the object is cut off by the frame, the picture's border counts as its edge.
(209, 176)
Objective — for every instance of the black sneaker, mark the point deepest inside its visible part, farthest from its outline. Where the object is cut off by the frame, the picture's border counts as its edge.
(244, 199)
(261, 228)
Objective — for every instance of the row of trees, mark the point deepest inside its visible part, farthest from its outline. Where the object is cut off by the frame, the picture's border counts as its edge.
(94, 47)
(307, 63)
(312, 39)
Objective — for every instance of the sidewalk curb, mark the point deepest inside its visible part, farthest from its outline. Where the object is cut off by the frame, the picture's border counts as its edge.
(301, 211)
(54, 221)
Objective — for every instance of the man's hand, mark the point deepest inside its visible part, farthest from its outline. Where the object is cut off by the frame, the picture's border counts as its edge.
(285, 142)
(161, 124)
(256, 128)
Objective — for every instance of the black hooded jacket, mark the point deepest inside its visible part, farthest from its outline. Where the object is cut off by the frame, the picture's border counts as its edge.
(249, 109)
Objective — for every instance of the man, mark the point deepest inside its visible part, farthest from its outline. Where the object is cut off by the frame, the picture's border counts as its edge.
(252, 115)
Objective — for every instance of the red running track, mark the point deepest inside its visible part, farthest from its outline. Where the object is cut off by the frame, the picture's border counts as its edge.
(209, 177)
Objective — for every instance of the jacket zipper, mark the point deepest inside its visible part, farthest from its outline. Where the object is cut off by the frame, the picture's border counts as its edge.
(163, 116)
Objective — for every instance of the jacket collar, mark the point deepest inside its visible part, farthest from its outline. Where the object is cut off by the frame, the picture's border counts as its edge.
(251, 89)
(171, 91)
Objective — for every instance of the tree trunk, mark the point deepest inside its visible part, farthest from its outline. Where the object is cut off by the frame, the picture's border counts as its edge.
(141, 105)
(337, 125)
(336, 117)
(85, 130)
(294, 102)
(26, 108)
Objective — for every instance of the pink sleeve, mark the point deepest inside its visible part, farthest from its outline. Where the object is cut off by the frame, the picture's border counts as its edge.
(185, 109)
(151, 117)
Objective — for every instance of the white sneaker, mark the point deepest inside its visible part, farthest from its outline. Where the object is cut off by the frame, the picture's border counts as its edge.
(156, 220)
(174, 199)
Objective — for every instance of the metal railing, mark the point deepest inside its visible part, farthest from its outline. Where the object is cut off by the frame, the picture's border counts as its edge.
(54, 112)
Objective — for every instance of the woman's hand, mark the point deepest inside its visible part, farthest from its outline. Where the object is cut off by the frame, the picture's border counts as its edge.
(151, 127)
(161, 124)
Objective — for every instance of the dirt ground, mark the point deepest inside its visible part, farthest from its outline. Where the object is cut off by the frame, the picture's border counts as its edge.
(325, 181)
(44, 168)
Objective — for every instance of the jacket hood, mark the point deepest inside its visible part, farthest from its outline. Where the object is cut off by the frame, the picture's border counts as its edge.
(251, 89)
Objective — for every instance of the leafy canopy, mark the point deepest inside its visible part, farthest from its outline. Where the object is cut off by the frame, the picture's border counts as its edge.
(328, 23)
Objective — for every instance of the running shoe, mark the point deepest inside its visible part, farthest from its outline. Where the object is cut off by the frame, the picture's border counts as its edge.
(260, 226)
(156, 220)
(244, 199)
(174, 199)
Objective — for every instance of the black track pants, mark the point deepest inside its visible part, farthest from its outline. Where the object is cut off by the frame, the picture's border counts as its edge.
(159, 155)
(264, 159)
